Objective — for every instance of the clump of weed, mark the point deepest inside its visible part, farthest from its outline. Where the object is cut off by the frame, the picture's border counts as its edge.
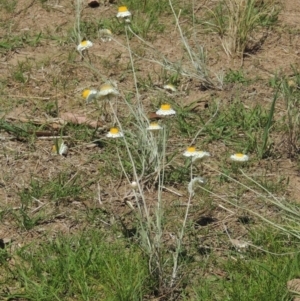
(243, 24)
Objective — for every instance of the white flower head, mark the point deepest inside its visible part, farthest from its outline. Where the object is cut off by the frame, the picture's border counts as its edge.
(170, 87)
(154, 126)
(89, 95)
(200, 156)
(114, 133)
(85, 44)
(165, 110)
(107, 90)
(190, 152)
(105, 35)
(239, 157)
(123, 12)
(195, 154)
(195, 183)
(62, 148)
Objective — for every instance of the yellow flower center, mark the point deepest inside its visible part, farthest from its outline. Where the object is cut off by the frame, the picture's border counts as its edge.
(153, 124)
(83, 43)
(114, 131)
(191, 149)
(122, 9)
(85, 93)
(239, 155)
(165, 107)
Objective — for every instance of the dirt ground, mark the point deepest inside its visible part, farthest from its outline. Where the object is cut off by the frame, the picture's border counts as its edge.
(56, 73)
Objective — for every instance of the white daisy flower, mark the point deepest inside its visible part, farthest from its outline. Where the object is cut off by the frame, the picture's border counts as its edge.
(105, 35)
(62, 149)
(107, 90)
(195, 154)
(165, 109)
(114, 133)
(190, 152)
(84, 45)
(154, 126)
(170, 87)
(89, 95)
(239, 157)
(200, 156)
(123, 12)
(195, 183)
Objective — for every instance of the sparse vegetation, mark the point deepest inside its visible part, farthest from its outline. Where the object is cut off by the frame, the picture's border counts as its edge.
(243, 24)
(141, 213)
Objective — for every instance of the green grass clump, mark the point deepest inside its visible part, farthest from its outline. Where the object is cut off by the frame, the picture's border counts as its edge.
(8, 5)
(236, 76)
(237, 126)
(61, 187)
(257, 280)
(36, 199)
(287, 88)
(238, 23)
(84, 267)
(253, 274)
(13, 41)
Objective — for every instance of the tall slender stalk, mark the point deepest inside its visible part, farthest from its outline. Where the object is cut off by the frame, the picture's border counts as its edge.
(262, 150)
(181, 235)
(78, 6)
